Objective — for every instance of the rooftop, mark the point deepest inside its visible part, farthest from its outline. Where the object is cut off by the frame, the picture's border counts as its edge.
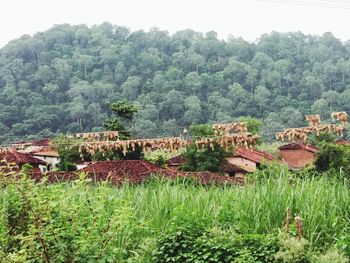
(177, 160)
(297, 145)
(254, 155)
(19, 158)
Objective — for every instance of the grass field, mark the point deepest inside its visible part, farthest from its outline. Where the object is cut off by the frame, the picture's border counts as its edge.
(80, 222)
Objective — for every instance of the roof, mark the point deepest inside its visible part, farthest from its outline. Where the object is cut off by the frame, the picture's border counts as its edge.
(44, 152)
(201, 177)
(130, 167)
(297, 146)
(42, 142)
(254, 155)
(177, 160)
(20, 158)
(343, 142)
(229, 167)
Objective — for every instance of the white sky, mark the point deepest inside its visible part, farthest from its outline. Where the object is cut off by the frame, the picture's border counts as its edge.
(246, 18)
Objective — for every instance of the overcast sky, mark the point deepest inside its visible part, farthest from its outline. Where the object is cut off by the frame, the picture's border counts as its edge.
(246, 18)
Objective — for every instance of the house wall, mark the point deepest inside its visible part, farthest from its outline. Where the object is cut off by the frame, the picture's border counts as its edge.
(298, 158)
(243, 163)
(49, 160)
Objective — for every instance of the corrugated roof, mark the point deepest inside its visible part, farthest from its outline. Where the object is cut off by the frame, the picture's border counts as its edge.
(254, 155)
(298, 145)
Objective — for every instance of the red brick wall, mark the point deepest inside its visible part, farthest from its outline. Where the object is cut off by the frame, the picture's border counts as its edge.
(298, 158)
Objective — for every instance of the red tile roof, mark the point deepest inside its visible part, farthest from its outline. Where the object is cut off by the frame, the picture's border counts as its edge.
(297, 145)
(254, 155)
(130, 167)
(19, 158)
(137, 171)
(46, 152)
(343, 142)
(177, 160)
(42, 142)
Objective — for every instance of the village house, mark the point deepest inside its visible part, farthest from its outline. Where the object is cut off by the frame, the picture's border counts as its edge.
(40, 149)
(244, 161)
(298, 155)
(49, 156)
(249, 160)
(234, 171)
(17, 160)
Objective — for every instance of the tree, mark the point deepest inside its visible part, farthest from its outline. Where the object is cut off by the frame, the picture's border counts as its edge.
(261, 95)
(253, 124)
(209, 158)
(333, 157)
(124, 112)
(320, 107)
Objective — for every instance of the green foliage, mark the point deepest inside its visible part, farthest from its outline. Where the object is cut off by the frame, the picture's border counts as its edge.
(331, 255)
(292, 250)
(158, 159)
(333, 157)
(344, 244)
(204, 159)
(124, 111)
(254, 125)
(209, 158)
(193, 243)
(162, 219)
(59, 81)
(323, 137)
(201, 130)
(68, 151)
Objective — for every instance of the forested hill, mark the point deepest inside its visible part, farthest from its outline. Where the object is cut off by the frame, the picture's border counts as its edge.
(60, 80)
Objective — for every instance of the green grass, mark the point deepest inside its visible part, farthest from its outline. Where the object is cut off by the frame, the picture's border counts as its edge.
(83, 223)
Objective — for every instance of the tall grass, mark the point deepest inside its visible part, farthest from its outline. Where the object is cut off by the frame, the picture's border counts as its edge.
(87, 222)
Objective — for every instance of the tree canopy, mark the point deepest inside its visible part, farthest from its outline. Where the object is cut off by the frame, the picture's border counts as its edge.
(61, 80)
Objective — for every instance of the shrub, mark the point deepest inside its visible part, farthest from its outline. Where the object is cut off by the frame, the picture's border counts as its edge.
(333, 157)
(292, 250)
(332, 255)
(193, 244)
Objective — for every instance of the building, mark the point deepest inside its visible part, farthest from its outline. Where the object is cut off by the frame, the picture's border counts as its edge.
(32, 146)
(232, 170)
(249, 160)
(49, 156)
(298, 155)
(13, 160)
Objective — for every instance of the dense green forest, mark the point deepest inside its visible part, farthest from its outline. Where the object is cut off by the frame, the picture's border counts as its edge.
(61, 80)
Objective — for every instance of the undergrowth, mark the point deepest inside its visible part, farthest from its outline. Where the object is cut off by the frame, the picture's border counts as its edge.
(167, 221)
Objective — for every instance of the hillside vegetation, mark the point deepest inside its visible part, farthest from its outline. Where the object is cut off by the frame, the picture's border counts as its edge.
(60, 80)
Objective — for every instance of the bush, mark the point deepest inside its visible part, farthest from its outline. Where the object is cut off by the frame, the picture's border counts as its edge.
(292, 250)
(344, 244)
(332, 255)
(193, 244)
(333, 157)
